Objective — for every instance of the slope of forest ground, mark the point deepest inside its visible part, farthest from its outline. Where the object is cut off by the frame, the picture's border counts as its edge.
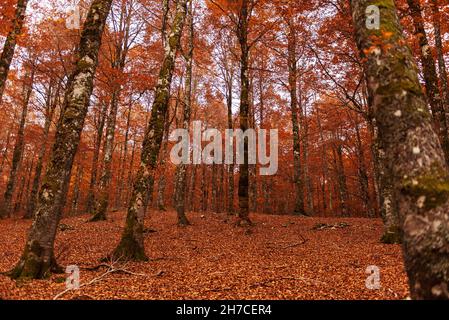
(281, 257)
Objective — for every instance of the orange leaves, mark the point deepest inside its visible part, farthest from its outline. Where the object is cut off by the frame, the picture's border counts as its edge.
(270, 262)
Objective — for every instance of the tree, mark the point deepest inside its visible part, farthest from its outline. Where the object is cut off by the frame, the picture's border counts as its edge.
(413, 155)
(131, 245)
(10, 43)
(181, 170)
(430, 76)
(38, 257)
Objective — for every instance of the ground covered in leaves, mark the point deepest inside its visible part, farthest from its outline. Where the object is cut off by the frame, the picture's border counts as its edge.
(280, 257)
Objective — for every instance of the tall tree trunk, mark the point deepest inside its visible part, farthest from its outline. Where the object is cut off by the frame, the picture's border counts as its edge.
(242, 34)
(292, 81)
(10, 43)
(230, 208)
(324, 167)
(181, 175)
(131, 245)
(121, 180)
(102, 201)
(38, 258)
(413, 155)
(430, 77)
(5, 209)
(90, 202)
(49, 112)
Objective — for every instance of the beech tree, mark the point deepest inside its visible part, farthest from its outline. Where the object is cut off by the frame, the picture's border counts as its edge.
(413, 155)
(38, 257)
(131, 245)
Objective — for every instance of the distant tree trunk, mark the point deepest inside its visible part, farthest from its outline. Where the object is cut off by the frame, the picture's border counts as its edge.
(131, 245)
(362, 173)
(413, 155)
(436, 18)
(49, 112)
(181, 174)
(230, 208)
(121, 180)
(305, 152)
(192, 189)
(242, 34)
(23, 188)
(76, 190)
(204, 194)
(5, 210)
(430, 76)
(38, 258)
(292, 81)
(324, 167)
(5, 148)
(102, 201)
(10, 43)
(129, 177)
(341, 177)
(90, 202)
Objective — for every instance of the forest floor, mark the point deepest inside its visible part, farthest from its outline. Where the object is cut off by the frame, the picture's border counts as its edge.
(280, 257)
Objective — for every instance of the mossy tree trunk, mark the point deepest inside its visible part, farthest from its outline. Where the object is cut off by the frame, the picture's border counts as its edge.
(181, 174)
(38, 258)
(27, 89)
(131, 246)
(413, 154)
(430, 76)
(10, 43)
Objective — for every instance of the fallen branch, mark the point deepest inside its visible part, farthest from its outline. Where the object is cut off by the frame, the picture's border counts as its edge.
(111, 269)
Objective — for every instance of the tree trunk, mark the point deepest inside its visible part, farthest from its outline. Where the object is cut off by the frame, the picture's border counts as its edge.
(5, 210)
(38, 258)
(242, 34)
(131, 245)
(181, 176)
(292, 81)
(430, 77)
(49, 112)
(90, 203)
(102, 201)
(413, 155)
(10, 43)
(230, 208)
(362, 173)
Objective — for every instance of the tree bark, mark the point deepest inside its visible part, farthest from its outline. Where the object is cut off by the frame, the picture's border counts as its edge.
(38, 258)
(10, 43)
(131, 245)
(413, 155)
